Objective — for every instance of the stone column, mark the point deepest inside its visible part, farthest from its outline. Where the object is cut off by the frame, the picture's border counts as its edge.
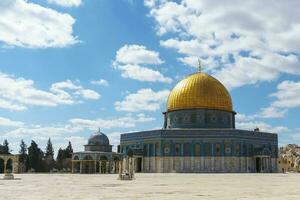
(13, 166)
(181, 158)
(100, 167)
(127, 164)
(154, 158)
(72, 166)
(5, 162)
(120, 169)
(95, 166)
(107, 167)
(80, 171)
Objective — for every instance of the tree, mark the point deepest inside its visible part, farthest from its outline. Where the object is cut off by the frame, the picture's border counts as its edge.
(35, 157)
(23, 148)
(64, 156)
(68, 151)
(6, 147)
(49, 150)
(59, 156)
(23, 156)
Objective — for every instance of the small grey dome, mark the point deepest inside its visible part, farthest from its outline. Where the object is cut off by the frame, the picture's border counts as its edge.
(98, 138)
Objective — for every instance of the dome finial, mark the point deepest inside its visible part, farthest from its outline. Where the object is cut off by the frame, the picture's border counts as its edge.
(199, 65)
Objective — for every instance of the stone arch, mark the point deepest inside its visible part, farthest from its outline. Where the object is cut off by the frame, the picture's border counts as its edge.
(76, 158)
(103, 164)
(9, 165)
(88, 157)
(76, 164)
(88, 164)
(116, 162)
(116, 158)
(103, 157)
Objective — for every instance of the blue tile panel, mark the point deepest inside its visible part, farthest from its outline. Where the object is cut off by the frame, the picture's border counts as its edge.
(201, 142)
(199, 118)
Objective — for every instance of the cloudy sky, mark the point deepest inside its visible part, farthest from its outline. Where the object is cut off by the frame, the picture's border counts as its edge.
(68, 67)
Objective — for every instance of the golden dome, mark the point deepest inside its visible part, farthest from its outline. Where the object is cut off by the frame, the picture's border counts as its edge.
(199, 90)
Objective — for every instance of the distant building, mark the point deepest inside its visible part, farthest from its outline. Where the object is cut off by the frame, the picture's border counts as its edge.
(199, 135)
(289, 158)
(97, 156)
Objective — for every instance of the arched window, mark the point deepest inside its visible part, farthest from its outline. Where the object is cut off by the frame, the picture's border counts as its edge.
(103, 158)
(76, 158)
(88, 157)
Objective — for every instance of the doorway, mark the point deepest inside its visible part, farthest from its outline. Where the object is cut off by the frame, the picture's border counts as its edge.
(138, 167)
(258, 165)
(1, 166)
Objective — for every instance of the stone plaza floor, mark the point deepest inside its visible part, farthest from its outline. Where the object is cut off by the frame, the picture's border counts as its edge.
(151, 186)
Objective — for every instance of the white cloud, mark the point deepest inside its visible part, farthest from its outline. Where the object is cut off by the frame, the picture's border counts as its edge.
(9, 122)
(249, 123)
(100, 82)
(77, 142)
(30, 25)
(296, 136)
(61, 87)
(42, 131)
(11, 106)
(239, 42)
(89, 94)
(287, 97)
(66, 3)
(18, 93)
(262, 127)
(131, 61)
(140, 73)
(137, 54)
(143, 100)
(122, 122)
(272, 112)
(71, 131)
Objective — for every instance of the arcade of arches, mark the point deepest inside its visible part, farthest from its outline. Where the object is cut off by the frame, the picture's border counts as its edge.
(90, 165)
(9, 163)
(97, 157)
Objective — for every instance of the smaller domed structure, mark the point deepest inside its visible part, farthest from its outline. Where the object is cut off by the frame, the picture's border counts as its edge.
(98, 142)
(98, 138)
(97, 156)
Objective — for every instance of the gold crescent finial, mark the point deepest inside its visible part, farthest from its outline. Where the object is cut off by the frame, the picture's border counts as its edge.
(199, 65)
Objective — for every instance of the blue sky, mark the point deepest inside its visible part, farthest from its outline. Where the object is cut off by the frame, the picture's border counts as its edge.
(68, 67)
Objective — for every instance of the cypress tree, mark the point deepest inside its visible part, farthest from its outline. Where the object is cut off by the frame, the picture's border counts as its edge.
(23, 148)
(23, 155)
(49, 150)
(69, 150)
(6, 147)
(35, 157)
(23, 151)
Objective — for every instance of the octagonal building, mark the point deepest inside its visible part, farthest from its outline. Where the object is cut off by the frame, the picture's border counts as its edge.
(199, 135)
